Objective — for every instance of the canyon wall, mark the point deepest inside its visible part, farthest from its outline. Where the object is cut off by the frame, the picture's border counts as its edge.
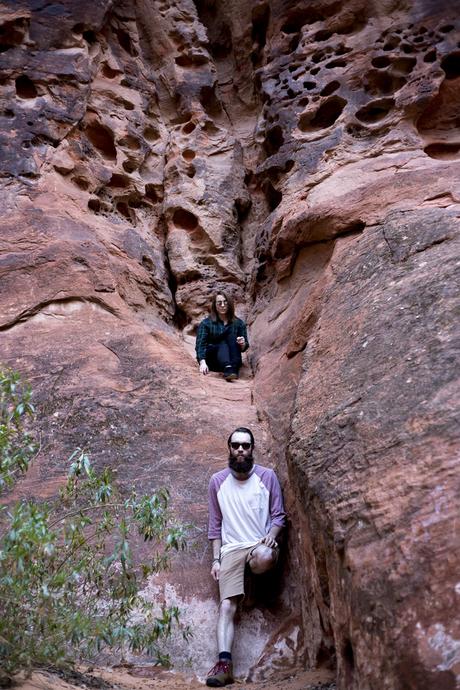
(304, 156)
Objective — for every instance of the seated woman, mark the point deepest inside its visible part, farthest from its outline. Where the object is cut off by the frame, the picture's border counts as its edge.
(221, 338)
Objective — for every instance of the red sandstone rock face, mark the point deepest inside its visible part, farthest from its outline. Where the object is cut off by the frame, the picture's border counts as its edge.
(305, 156)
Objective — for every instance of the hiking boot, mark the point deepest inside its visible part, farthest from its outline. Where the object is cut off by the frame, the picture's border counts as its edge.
(221, 674)
(231, 376)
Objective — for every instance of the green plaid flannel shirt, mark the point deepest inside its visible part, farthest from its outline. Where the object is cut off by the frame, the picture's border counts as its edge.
(209, 333)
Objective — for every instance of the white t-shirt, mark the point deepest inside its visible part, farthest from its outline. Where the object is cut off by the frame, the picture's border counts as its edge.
(241, 512)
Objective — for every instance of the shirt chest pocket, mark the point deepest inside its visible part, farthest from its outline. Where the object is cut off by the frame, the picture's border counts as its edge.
(255, 502)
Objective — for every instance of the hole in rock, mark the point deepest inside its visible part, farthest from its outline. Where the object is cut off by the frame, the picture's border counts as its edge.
(348, 657)
(294, 42)
(260, 21)
(108, 72)
(12, 33)
(392, 43)
(272, 195)
(308, 15)
(406, 48)
(81, 182)
(124, 40)
(325, 116)
(129, 166)
(357, 131)
(25, 88)
(184, 219)
(317, 57)
(8, 113)
(188, 128)
(447, 28)
(404, 65)
(221, 43)
(451, 65)
(314, 70)
(304, 101)
(261, 274)
(188, 154)
(123, 209)
(209, 101)
(191, 171)
(242, 207)
(102, 139)
(130, 142)
(209, 127)
(273, 140)
(127, 105)
(322, 35)
(119, 181)
(343, 50)
(135, 201)
(290, 93)
(441, 151)
(382, 83)
(330, 88)
(90, 37)
(375, 111)
(324, 657)
(309, 85)
(430, 56)
(94, 205)
(151, 134)
(151, 193)
(336, 63)
(191, 60)
(381, 61)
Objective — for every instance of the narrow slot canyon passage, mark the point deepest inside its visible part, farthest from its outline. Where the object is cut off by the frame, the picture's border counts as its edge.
(304, 157)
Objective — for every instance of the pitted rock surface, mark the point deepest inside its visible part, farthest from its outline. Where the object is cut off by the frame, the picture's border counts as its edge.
(305, 157)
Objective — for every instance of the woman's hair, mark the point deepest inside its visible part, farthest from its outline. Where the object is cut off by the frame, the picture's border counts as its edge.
(230, 306)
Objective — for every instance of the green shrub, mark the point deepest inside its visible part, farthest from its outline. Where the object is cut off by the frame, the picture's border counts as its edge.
(69, 585)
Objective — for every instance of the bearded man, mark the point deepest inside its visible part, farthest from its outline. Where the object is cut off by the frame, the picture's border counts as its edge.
(246, 515)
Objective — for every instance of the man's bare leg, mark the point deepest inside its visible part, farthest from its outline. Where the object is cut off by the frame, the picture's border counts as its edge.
(262, 558)
(226, 624)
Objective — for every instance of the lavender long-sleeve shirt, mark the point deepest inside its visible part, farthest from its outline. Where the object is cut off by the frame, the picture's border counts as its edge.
(241, 512)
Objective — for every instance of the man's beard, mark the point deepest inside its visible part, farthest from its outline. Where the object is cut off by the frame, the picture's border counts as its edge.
(241, 466)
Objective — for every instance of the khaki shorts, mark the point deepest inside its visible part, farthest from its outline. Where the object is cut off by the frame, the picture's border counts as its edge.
(231, 576)
(232, 567)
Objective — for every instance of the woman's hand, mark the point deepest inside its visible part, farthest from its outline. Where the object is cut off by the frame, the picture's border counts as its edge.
(203, 367)
(241, 342)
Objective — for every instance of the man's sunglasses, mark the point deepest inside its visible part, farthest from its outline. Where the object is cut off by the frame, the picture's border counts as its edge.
(235, 445)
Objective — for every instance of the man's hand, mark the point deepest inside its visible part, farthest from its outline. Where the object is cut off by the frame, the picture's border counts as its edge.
(268, 540)
(203, 367)
(241, 342)
(215, 570)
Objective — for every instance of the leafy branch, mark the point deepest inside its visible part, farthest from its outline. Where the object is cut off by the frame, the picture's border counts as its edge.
(69, 582)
